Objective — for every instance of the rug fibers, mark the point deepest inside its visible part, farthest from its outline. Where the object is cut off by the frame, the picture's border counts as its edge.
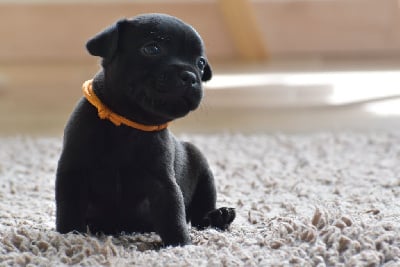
(323, 199)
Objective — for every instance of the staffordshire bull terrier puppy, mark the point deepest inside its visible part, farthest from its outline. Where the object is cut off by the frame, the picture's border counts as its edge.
(121, 169)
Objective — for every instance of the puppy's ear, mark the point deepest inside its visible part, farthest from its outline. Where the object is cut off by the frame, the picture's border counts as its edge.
(105, 43)
(207, 74)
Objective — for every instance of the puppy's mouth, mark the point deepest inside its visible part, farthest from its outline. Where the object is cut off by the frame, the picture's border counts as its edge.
(167, 94)
(168, 105)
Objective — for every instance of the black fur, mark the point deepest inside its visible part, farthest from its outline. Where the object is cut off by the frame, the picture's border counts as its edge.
(114, 179)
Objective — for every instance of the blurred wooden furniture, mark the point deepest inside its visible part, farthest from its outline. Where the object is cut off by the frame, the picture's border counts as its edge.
(58, 30)
(43, 58)
(242, 25)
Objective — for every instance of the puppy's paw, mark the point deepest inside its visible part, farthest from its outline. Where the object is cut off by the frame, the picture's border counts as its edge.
(220, 218)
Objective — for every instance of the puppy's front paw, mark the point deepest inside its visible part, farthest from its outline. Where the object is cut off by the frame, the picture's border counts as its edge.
(220, 218)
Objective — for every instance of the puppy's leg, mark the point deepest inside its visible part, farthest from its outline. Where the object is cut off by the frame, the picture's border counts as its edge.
(71, 202)
(168, 213)
(203, 212)
(203, 200)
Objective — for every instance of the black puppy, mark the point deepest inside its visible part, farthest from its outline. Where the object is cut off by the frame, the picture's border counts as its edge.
(121, 170)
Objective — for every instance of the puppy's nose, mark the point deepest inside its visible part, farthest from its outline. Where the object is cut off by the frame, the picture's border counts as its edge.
(188, 78)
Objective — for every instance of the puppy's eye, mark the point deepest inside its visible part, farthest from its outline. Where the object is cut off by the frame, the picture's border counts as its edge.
(201, 63)
(151, 49)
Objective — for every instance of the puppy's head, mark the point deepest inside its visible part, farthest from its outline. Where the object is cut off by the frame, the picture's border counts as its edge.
(153, 67)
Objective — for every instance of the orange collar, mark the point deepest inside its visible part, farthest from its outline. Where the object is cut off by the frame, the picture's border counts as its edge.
(105, 113)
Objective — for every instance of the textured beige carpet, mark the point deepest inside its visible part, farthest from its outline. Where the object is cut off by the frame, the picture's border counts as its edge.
(302, 200)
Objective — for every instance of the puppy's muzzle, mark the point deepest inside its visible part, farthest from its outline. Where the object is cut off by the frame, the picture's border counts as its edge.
(179, 86)
(173, 81)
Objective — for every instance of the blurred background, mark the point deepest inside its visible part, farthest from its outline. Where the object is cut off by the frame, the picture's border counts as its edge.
(279, 65)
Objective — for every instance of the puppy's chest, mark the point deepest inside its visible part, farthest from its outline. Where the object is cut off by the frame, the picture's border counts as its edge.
(135, 151)
(135, 155)
(125, 168)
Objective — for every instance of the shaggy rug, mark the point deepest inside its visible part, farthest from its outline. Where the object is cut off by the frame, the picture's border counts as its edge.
(326, 199)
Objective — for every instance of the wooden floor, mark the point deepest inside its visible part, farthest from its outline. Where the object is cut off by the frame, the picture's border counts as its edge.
(281, 96)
